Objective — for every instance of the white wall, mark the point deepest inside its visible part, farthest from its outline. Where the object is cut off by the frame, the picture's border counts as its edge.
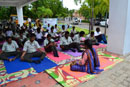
(119, 29)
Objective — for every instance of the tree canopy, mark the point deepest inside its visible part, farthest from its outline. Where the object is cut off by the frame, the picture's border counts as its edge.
(39, 9)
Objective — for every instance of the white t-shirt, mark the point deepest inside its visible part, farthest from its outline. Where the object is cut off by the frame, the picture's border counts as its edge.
(53, 34)
(73, 31)
(97, 33)
(64, 41)
(10, 47)
(9, 33)
(31, 47)
(46, 42)
(77, 38)
(39, 35)
(49, 29)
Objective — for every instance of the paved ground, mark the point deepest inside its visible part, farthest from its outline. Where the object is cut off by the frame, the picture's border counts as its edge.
(118, 76)
(86, 26)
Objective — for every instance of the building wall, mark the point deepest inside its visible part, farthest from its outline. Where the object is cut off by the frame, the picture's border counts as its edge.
(119, 28)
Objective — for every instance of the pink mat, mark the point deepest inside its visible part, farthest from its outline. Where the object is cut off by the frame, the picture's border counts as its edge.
(61, 57)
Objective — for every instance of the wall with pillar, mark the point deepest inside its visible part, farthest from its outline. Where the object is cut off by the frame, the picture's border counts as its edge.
(119, 27)
(20, 15)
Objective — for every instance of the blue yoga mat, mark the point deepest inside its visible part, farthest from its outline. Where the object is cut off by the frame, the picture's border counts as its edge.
(45, 64)
(16, 65)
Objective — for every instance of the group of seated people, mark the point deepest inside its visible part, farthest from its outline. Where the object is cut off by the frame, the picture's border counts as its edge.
(31, 39)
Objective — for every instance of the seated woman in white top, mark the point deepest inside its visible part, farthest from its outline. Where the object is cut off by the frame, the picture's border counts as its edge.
(50, 45)
(39, 36)
(9, 48)
(30, 50)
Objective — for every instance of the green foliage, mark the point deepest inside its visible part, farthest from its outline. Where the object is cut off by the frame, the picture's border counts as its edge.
(100, 7)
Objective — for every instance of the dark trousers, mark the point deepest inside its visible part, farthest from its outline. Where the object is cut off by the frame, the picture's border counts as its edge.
(52, 49)
(28, 56)
(101, 37)
(72, 45)
(40, 41)
(5, 55)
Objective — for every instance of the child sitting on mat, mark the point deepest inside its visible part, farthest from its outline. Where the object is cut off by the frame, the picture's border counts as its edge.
(89, 63)
(30, 51)
(50, 45)
(9, 48)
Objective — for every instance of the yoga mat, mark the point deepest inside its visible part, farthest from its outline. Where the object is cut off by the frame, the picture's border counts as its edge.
(16, 65)
(45, 64)
(99, 46)
(63, 71)
(62, 77)
(7, 78)
(39, 80)
(69, 52)
(61, 57)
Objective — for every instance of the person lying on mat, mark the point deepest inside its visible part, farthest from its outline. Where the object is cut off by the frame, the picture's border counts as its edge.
(89, 63)
(92, 38)
(9, 48)
(53, 34)
(50, 45)
(30, 51)
(99, 36)
(66, 43)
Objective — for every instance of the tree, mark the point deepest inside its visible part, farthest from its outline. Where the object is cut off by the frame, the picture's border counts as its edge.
(85, 11)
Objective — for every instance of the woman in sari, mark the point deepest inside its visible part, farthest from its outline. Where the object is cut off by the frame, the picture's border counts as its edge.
(89, 63)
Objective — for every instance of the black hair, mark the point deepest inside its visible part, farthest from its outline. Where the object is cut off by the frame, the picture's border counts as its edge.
(73, 27)
(7, 38)
(48, 35)
(89, 44)
(82, 33)
(98, 29)
(67, 33)
(52, 27)
(32, 35)
(63, 26)
(92, 33)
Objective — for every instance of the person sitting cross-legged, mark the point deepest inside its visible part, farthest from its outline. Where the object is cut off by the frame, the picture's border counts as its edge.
(66, 43)
(50, 45)
(53, 34)
(30, 50)
(10, 48)
(89, 63)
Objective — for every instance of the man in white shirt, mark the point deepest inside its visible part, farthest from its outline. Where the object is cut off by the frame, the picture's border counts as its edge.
(9, 48)
(92, 38)
(100, 37)
(21, 39)
(9, 33)
(50, 45)
(63, 30)
(66, 43)
(73, 30)
(56, 28)
(39, 36)
(53, 34)
(77, 40)
(49, 28)
(30, 50)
